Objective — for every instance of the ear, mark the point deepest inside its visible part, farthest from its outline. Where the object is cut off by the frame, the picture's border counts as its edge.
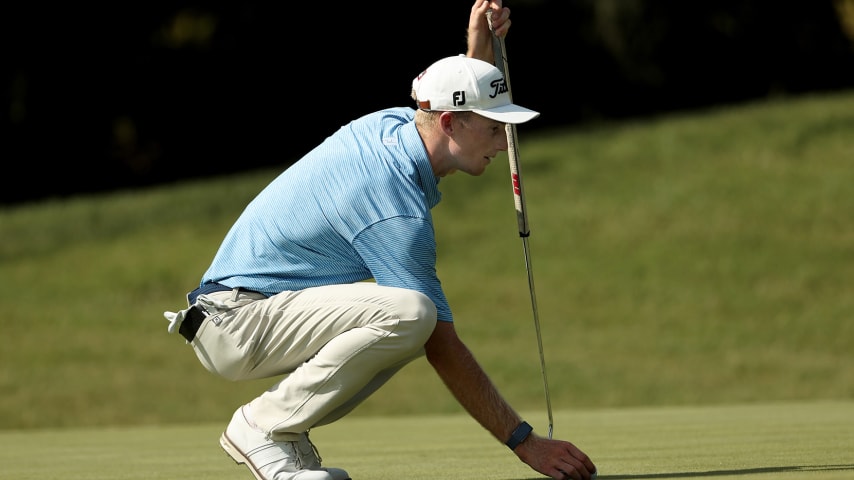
(446, 123)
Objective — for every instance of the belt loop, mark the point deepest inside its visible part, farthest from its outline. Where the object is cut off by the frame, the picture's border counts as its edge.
(234, 293)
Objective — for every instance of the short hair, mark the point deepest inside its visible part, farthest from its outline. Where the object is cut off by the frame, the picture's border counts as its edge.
(425, 119)
(429, 118)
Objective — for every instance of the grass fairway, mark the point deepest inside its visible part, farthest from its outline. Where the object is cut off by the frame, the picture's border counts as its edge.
(807, 440)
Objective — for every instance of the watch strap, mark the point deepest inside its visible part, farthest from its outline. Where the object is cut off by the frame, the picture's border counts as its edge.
(519, 435)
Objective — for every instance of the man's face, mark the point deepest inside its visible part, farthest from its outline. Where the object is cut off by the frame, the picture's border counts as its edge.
(477, 140)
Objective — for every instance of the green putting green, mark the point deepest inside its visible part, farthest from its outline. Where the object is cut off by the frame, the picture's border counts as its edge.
(805, 440)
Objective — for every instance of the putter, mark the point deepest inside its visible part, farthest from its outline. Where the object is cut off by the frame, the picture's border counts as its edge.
(500, 53)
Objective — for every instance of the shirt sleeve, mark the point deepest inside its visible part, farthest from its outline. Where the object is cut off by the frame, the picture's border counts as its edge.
(401, 252)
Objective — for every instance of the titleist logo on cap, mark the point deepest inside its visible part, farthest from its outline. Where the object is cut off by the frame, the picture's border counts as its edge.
(498, 87)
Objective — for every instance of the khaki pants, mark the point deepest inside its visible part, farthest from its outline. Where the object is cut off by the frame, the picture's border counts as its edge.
(336, 345)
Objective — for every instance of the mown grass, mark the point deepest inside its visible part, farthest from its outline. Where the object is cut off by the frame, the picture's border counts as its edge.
(787, 440)
(700, 258)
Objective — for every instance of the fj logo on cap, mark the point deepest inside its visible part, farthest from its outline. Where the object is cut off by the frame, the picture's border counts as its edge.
(459, 98)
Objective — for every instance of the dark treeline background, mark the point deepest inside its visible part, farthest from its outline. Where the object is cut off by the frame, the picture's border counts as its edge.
(131, 94)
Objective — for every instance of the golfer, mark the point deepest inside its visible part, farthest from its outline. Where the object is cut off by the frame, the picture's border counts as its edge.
(328, 277)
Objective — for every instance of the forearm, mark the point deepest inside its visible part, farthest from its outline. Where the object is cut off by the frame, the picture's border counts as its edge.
(457, 367)
(479, 43)
(473, 389)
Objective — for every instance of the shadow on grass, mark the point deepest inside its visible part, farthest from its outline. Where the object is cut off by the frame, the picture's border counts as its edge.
(724, 473)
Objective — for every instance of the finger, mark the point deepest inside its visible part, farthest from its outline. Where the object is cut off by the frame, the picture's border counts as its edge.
(582, 457)
(481, 6)
(501, 29)
(575, 473)
(570, 475)
(501, 21)
(577, 468)
(571, 468)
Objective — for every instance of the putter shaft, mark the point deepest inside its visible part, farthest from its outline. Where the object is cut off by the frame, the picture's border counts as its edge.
(500, 53)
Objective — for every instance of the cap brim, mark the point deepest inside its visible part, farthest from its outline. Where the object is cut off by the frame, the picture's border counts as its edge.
(510, 113)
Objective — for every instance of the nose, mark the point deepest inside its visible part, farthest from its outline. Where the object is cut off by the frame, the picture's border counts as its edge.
(502, 142)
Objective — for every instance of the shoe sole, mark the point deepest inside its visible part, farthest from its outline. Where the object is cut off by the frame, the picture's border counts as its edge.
(238, 456)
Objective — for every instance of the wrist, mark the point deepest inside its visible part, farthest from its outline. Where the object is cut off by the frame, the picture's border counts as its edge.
(519, 435)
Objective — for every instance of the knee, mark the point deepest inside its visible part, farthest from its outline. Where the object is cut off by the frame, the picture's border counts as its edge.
(417, 314)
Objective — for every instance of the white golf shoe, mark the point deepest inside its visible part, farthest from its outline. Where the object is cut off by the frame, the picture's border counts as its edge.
(269, 460)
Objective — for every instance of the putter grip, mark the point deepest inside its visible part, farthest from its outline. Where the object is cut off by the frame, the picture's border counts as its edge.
(500, 53)
(516, 178)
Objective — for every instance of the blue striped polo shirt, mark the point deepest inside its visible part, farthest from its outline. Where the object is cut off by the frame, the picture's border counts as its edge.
(356, 207)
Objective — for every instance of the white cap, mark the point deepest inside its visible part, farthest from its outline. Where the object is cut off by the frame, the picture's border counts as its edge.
(461, 83)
